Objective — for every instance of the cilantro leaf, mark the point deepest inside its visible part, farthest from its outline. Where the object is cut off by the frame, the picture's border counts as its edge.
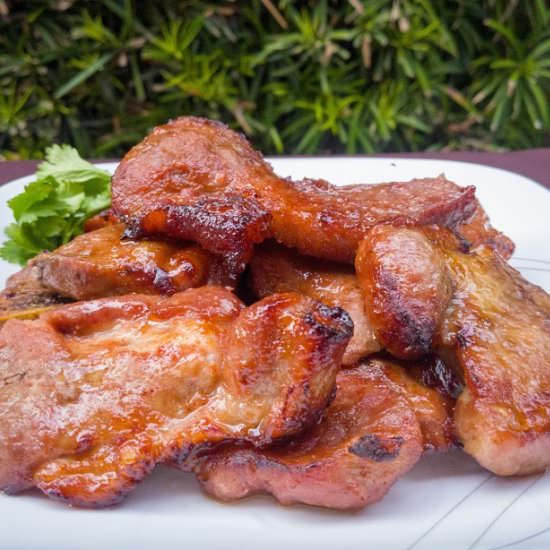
(63, 163)
(34, 192)
(52, 209)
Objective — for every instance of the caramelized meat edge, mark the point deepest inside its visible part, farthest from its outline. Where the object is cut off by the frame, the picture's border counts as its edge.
(479, 231)
(406, 289)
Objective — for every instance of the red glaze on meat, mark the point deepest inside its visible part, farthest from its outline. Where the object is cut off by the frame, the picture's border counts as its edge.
(195, 179)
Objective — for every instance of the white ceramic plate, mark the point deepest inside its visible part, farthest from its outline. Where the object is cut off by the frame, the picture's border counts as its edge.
(446, 502)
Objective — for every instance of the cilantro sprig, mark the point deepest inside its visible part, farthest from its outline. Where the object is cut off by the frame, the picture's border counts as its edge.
(53, 208)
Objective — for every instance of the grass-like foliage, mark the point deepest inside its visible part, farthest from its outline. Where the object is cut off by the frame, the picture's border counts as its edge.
(295, 76)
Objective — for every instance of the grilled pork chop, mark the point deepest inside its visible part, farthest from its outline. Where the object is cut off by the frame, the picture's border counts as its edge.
(495, 331)
(372, 433)
(195, 179)
(94, 394)
(102, 263)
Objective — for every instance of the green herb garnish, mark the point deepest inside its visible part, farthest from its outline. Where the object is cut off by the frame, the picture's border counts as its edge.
(53, 208)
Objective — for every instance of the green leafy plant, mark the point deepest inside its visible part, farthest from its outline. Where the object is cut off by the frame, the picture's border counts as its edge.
(53, 208)
(296, 76)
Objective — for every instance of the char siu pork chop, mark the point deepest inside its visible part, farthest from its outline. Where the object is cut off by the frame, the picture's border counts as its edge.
(94, 394)
(276, 268)
(372, 433)
(492, 325)
(103, 263)
(195, 179)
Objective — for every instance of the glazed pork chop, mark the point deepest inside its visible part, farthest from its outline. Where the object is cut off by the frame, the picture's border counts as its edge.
(275, 268)
(495, 330)
(372, 433)
(94, 394)
(103, 263)
(195, 179)
(498, 328)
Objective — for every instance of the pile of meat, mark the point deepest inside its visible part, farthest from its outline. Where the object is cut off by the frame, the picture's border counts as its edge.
(295, 338)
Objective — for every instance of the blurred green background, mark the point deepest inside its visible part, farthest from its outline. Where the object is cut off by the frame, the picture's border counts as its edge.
(296, 77)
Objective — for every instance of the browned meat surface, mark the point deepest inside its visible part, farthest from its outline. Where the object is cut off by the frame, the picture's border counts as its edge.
(372, 433)
(107, 217)
(94, 394)
(275, 268)
(369, 437)
(101, 263)
(329, 221)
(496, 333)
(431, 399)
(479, 231)
(498, 328)
(26, 297)
(432, 372)
(406, 289)
(196, 179)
